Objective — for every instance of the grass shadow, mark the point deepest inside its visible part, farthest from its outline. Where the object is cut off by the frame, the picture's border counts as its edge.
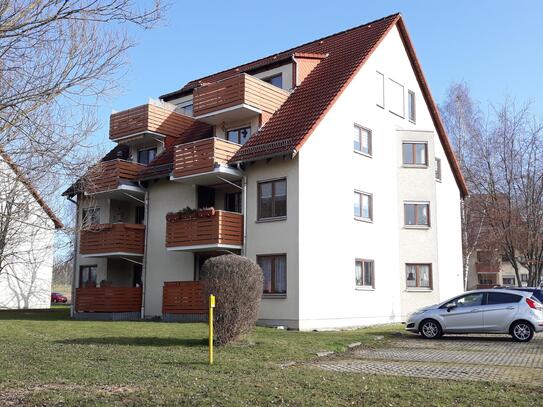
(137, 341)
(56, 313)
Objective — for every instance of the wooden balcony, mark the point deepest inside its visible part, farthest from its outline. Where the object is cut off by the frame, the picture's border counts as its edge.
(112, 239)
(487, 268)
(184, 297)
(108, 299)
(150, 118)
(112, 175)
(202, 158)
(237, 97)
(485, 286)
(203, 231)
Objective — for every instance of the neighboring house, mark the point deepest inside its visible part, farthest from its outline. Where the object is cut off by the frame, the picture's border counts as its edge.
(327, 164)
(27, 226)
(488, 269)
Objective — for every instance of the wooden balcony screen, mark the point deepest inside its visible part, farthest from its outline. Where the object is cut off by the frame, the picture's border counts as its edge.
(109, 175)
(150, 118)
(202, 156)
(487, 268)
(108, 299)
(184, 297)
(220, 228)
(237, 90)
(113, 238)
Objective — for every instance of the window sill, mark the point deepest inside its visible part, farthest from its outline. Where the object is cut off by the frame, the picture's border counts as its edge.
(274, 296)
(277, 219)
(363, 220)
(419, 166)
(362, 153)
(439, 180)
(412, 121)
(396, 114)
(416, 227)
(378, 105)
(418, 290)
(364, 288)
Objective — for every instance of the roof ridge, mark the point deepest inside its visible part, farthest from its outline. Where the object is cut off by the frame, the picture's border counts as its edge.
(292, 49)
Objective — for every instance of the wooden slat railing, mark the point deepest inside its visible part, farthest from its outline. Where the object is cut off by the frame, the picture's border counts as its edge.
(112, 238)
(108, 175)
(237, 90)
(485, 286)
(487, 267)
(202, 156)
(108, 299)
(148, 118)
(184, 297)
(221, 227)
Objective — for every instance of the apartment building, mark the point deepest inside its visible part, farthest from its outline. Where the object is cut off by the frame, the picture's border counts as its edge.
(327, 164)
(488, 269)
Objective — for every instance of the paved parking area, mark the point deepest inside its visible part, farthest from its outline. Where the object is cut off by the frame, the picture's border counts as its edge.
(458, 357)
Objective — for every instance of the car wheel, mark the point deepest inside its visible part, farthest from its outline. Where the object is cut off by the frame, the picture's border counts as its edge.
(522, 331)
(430, 329)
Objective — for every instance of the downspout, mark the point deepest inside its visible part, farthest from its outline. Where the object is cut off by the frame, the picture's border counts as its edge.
(244, 210)
(144, 265)
(76, 246)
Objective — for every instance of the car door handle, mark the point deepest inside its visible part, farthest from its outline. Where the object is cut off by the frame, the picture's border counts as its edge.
(510, 308)
(475, 310)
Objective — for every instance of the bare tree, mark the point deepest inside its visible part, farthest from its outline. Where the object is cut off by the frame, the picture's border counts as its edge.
(501, 156)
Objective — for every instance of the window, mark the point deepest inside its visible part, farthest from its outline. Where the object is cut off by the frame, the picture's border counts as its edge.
(147, 155)
(275, 80)
(364, 273)
(87, 276)
(232, 202)
(509, 281)
(415, 153)
(411, 106)
(502, 298)
(274, 268)
(90, 216)
(470, 300)
(140, 215)
(416, 214)
(363, 205)
(380, 89)
(524, 278)
(484, 280)
(239, 136)
(485, 256)
(187, 110)
(272, 199)
(438, 169)
(362, 140)
(419, 275)
(396, 103)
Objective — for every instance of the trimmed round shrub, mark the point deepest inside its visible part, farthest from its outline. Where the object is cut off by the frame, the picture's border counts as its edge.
(237, 284)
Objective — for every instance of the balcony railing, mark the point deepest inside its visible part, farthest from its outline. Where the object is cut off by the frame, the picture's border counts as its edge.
(184, 297)
(110, 175)
(487, 268)
(204, 229)
(238, 90)
(149, 118)
(108, 299)
(485, 286)
(113, 238)
(202, 156)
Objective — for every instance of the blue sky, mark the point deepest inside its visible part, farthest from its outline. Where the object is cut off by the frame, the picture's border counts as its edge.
(494, 46)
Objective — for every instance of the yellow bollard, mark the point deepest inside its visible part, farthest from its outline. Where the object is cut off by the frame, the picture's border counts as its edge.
(211, 306)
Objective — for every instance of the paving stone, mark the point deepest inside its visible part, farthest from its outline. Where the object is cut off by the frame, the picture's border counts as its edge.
(324, 353)
(354, 345)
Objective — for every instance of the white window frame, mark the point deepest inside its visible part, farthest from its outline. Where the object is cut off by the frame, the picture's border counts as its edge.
(381, 76)
(414, 106)
(439, 174)
(363, 269)
(370, 140)
(402, 115)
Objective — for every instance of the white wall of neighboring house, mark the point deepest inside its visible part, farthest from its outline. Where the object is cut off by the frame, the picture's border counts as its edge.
(25, 282)
(331, 239)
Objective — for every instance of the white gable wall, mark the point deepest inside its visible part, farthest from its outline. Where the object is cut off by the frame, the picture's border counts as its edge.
(331, 239)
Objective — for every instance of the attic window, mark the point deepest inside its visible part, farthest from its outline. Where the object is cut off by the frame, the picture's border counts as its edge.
(380, 89)
(275, 80)
(396, 100)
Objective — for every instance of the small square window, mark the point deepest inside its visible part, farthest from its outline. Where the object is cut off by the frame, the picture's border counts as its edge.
(364, 274)
(396, 103)
(438, 169)
(418, 275)
(417, 214)
(362, 140)
(274, 268)
(380, 89)
(147, 155)
(275, 80)
(272, 199)
(415, 153)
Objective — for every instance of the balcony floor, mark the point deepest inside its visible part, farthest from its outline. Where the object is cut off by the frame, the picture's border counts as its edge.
(212, 177)
(204, 248)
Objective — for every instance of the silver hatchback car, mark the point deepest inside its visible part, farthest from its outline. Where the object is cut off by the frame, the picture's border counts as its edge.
(517, 313)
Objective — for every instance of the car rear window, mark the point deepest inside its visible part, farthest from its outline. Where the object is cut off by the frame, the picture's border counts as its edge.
(539, 295)
(502, 298)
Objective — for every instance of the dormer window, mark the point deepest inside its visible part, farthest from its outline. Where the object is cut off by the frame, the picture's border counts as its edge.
(239, 136)
(147, 155)
(275, 80)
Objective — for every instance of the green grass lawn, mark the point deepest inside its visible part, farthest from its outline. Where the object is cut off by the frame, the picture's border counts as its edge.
(48, 359)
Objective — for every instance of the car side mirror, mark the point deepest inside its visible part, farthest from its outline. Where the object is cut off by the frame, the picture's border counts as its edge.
(450, 306)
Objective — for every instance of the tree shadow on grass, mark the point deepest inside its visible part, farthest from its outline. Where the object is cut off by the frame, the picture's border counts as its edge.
(136, 341)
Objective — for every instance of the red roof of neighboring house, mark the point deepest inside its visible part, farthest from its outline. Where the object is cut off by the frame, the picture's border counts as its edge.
(33, 191)
(345, 53)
